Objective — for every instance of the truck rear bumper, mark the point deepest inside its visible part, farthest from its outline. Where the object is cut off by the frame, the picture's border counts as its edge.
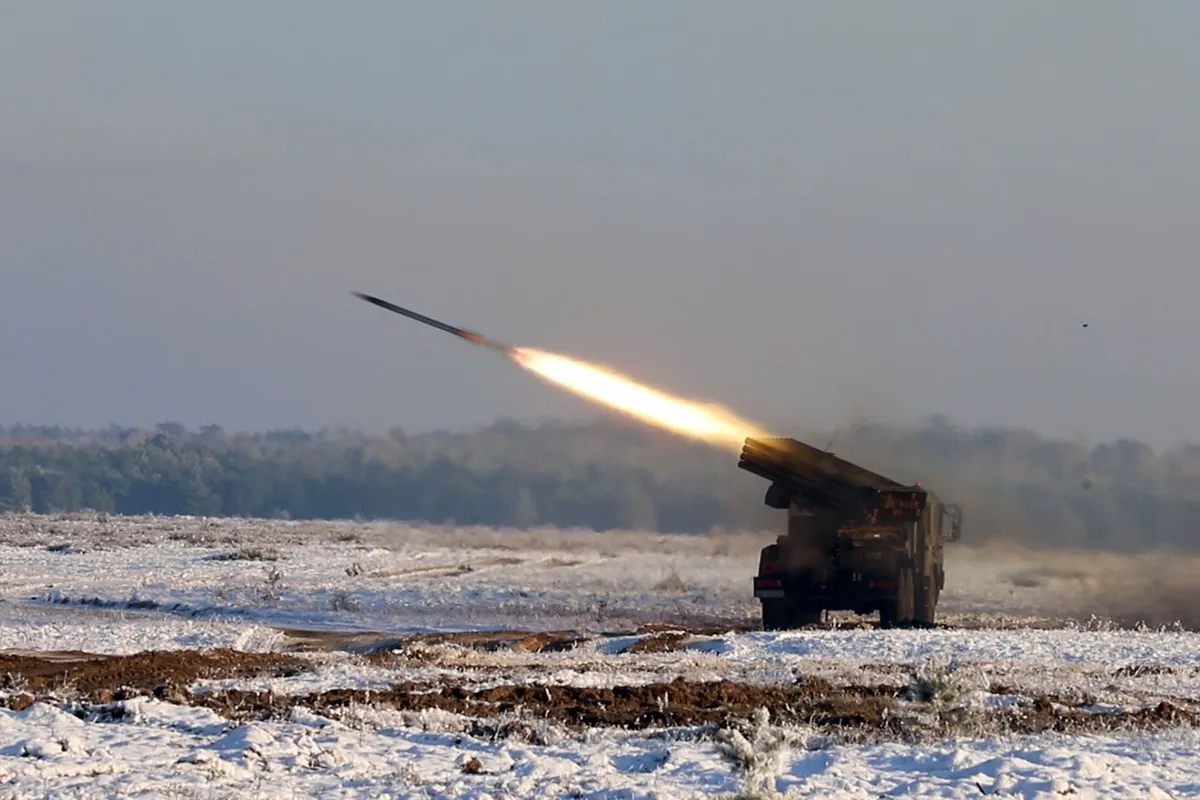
(768, 587)
(847, 591)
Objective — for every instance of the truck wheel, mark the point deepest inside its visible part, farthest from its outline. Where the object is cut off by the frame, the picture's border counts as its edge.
(908, 600)
(774, 615)
(927, 602)
(900, 610)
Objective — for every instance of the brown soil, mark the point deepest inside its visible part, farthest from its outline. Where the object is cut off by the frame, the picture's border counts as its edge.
(547, 642)
(695, 630)
(667, 642)
(492, 641)
(381, 645)
(102, 678)
(661, 638)
(1139, 670)
(861, 712)
(854, 712)
(678, 703)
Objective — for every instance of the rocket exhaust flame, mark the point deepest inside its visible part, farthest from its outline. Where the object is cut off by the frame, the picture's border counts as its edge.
(707, 422)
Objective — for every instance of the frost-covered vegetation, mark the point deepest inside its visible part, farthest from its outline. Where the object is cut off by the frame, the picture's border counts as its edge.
(1014, 485)
(268, 658)
(158, 749)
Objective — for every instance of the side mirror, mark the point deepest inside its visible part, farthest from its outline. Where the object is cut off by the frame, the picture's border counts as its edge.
(954, 512)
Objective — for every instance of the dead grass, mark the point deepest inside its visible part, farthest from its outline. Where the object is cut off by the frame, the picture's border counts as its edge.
(935, 702)
(672, 582)
(343, 601)
(101, 678)
(1156, 589)
(755, 750)
(823, 712)
(249, 553)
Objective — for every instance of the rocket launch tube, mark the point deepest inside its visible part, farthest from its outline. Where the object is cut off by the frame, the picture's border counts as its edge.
(462, 333)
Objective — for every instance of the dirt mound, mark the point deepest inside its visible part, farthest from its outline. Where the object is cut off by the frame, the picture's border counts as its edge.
(666, 642)
(678, 703)
(853, 713)
(86, 681)
(383, 646)
(102, 678)
(493, 641)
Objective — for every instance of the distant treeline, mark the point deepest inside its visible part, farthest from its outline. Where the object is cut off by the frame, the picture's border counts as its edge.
(1012, 484)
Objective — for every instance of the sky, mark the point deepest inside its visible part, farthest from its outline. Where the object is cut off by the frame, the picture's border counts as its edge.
(808, 212)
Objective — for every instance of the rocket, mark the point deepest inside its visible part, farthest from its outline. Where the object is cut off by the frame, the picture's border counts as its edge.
(462, 333)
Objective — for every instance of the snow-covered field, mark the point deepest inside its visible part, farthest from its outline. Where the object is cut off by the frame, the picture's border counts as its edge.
(173, 752)
(407, 665)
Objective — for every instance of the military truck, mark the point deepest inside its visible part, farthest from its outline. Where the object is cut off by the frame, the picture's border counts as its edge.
(856, 541)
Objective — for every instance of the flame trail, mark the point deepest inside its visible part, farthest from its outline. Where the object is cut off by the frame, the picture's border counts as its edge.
(703, 421)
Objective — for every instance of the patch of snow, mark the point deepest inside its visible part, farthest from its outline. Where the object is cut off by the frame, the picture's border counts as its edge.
(132, 585)
(308, 757)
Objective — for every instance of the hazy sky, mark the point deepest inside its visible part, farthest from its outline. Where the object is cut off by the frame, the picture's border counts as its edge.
(806, 211)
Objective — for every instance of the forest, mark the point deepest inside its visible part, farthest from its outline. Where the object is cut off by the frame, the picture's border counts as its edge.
(606, 474)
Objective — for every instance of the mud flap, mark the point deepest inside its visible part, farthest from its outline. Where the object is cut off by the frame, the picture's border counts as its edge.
(782, 615)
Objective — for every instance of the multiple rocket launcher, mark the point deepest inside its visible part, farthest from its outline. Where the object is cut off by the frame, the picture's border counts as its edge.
(881, 529)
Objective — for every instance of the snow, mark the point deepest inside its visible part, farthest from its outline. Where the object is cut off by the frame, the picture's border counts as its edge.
(1061, 662)
(53, 754)
(125, 586)
(404, 578)
(26, 627)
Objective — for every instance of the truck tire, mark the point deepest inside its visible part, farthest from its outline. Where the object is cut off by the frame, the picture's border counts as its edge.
(906, 598)
(901, 609)
(927, 602)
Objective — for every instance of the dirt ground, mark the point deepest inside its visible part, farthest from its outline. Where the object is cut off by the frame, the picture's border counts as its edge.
(97, 685)
(101, 678)
(852, 712)
(656, 639)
